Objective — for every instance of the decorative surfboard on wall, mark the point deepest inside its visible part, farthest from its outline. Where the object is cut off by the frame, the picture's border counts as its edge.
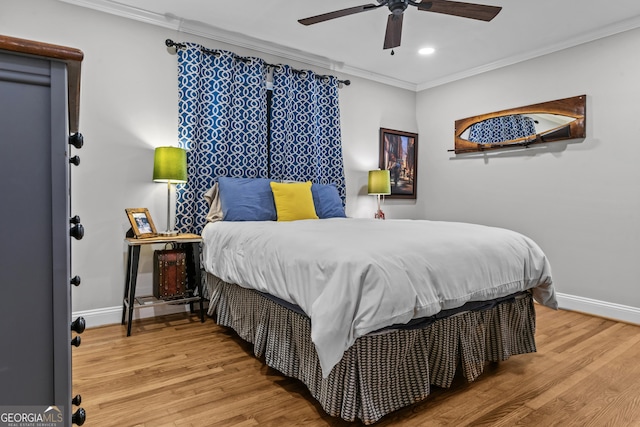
(552, 121)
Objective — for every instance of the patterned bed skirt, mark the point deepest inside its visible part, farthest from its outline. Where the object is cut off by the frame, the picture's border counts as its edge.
(382, 372)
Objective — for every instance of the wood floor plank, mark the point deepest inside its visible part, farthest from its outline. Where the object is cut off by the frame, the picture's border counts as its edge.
(176, 371)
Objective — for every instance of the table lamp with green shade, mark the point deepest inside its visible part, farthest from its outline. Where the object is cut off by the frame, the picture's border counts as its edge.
(170, 166)
(379, 185)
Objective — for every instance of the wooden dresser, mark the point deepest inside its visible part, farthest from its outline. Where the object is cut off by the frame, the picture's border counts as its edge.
(39, 98)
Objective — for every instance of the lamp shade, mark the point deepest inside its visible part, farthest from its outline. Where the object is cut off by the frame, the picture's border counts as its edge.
(170, 165)
(379, 182)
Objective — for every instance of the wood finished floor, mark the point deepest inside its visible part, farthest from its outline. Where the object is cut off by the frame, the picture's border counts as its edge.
(176, 371)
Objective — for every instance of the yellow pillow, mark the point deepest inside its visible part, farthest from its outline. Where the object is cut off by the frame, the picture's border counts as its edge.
(293, 201)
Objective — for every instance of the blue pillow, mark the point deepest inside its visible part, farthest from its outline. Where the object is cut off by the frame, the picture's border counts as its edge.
(327, 201)
(246, 199)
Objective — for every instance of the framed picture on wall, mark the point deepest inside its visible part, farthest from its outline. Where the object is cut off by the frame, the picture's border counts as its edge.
(141, 222)
(399, 155)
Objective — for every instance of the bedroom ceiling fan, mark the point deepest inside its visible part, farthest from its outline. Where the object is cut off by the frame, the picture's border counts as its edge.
(393, 33)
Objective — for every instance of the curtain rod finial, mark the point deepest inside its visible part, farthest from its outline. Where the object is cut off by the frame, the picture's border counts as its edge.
(170, 43)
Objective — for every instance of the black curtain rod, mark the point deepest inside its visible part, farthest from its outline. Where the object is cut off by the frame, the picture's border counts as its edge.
(171, 43)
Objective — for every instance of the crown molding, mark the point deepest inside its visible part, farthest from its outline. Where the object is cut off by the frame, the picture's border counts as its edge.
(212, 33)
(618, 27)
(129, 12)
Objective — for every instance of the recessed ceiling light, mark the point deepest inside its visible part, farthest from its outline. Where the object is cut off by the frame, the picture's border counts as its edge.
(426, 51)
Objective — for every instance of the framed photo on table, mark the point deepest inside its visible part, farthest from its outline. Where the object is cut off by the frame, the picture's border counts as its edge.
(141, 222)
(399, 155)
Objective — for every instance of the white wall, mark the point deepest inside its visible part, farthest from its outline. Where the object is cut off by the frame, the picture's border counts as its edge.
(129, 106)
(580, 201)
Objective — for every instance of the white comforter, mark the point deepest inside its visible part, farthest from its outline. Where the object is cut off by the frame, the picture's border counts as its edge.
(354, 276)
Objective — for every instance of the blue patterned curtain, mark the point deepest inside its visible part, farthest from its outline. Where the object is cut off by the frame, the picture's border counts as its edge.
(222, 125)
(305, 128)
(502, 129)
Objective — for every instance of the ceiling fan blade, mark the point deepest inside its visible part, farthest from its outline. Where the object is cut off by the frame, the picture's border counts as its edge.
(456, 8)
(393, 35)
(337, 14)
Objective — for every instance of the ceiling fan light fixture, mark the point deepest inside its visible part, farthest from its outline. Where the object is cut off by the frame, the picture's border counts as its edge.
(427, 51)
(393, 33)
(397, 7)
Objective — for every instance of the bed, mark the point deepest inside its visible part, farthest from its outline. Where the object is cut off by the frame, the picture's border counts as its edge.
(369, 314)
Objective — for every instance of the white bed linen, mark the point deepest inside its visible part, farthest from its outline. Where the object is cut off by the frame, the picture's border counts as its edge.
(354, 276)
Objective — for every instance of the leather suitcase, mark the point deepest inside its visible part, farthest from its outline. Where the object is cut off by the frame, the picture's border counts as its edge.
(169, 273)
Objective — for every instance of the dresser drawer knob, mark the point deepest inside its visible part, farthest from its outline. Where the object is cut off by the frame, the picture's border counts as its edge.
(76, 139)
(77, 400)
(75, 280)
(78, 325)
(76, 341)
(77, 232)
(75, 160)
(79, 417)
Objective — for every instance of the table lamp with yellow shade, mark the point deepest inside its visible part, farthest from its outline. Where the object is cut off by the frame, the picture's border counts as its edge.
(379, 185)
(170, 166)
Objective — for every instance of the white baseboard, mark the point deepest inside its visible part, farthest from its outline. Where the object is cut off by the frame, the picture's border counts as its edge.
(113, 315)
(623, 313)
